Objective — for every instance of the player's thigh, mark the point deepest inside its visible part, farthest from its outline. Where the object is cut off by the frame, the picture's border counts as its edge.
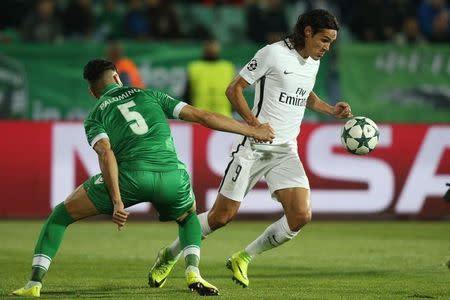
(97, 192)
(286, 172)
(130, 191)
(171, 194)
(289, 185)
(78, 204)
(241, 175)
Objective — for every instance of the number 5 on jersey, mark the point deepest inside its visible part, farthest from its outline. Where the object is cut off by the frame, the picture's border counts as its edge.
(139, 127)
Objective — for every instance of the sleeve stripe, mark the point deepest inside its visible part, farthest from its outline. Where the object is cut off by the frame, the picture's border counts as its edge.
(98, 137)
(178, 108)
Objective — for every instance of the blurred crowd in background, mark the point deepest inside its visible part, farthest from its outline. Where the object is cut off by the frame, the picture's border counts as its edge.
(230, 21)
(175, 46)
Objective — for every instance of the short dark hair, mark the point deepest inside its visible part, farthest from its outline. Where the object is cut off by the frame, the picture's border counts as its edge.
(318, 19)
(95, 68)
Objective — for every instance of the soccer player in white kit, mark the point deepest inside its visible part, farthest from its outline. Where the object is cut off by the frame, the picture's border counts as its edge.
(284, 74)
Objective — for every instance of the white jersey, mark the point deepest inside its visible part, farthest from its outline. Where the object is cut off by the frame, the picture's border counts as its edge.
(284, 80)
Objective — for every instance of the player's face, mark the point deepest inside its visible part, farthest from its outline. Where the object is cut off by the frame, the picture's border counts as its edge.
(318, 44)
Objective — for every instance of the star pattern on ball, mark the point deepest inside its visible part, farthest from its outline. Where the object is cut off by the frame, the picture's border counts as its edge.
(360, 135)
(361, 122)
(363, 141)
(346, 134)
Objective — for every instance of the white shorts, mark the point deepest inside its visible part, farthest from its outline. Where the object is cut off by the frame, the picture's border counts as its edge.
(248, 166)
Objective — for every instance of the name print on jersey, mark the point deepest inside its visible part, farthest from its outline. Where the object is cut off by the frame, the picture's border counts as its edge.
(298, 100)
(118, 98)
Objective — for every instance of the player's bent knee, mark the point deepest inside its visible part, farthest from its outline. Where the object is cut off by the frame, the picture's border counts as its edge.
(223, 220)
(181, 219)
(305, 218)
(299, 220)
(222, 212)
(217, 220)
(60, 216)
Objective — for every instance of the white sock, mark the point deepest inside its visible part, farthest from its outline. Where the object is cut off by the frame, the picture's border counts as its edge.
(41, 261)
(275, 235)
(175, 247)
(203, 219)
(191, 249)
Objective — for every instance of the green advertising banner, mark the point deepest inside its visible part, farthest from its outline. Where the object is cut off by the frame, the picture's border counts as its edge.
(396, 84)
(13, 89)
(48, 83)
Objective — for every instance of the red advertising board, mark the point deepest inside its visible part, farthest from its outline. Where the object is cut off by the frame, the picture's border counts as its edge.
(25, 159)
(42, 162)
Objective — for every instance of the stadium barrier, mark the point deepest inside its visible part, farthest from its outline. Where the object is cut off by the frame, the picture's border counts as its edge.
(42, 162)
(44, 82)
(381, 81)
(392, 83)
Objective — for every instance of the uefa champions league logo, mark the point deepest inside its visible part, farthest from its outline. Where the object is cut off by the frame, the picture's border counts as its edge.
(251, 66)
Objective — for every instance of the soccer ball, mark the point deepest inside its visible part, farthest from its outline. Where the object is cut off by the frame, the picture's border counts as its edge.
(360, 135)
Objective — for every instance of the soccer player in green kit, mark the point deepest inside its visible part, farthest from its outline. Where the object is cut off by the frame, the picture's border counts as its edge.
(129, 131)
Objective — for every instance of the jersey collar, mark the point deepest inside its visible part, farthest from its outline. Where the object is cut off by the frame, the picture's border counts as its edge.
(291, 47)
(109, 88)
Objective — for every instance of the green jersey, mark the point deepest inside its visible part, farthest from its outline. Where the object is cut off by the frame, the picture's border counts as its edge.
(135, 122)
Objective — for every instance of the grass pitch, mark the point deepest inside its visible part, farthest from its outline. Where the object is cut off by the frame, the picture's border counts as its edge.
(328, 260)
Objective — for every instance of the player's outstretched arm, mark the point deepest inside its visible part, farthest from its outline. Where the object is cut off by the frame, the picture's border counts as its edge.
(235, 94)
(341, 110)
(216, 121)
(108, 166)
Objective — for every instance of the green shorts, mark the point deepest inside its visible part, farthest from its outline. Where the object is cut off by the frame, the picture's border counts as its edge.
(169, 192)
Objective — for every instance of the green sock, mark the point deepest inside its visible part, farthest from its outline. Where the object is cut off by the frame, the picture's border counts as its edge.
(189, 231)
(190, 234)
(192, 260)
(37, 274)
(50, 238)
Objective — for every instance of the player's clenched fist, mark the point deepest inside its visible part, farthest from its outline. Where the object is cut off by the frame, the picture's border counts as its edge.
(263, 133)
(119, 215)
(342, 110)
